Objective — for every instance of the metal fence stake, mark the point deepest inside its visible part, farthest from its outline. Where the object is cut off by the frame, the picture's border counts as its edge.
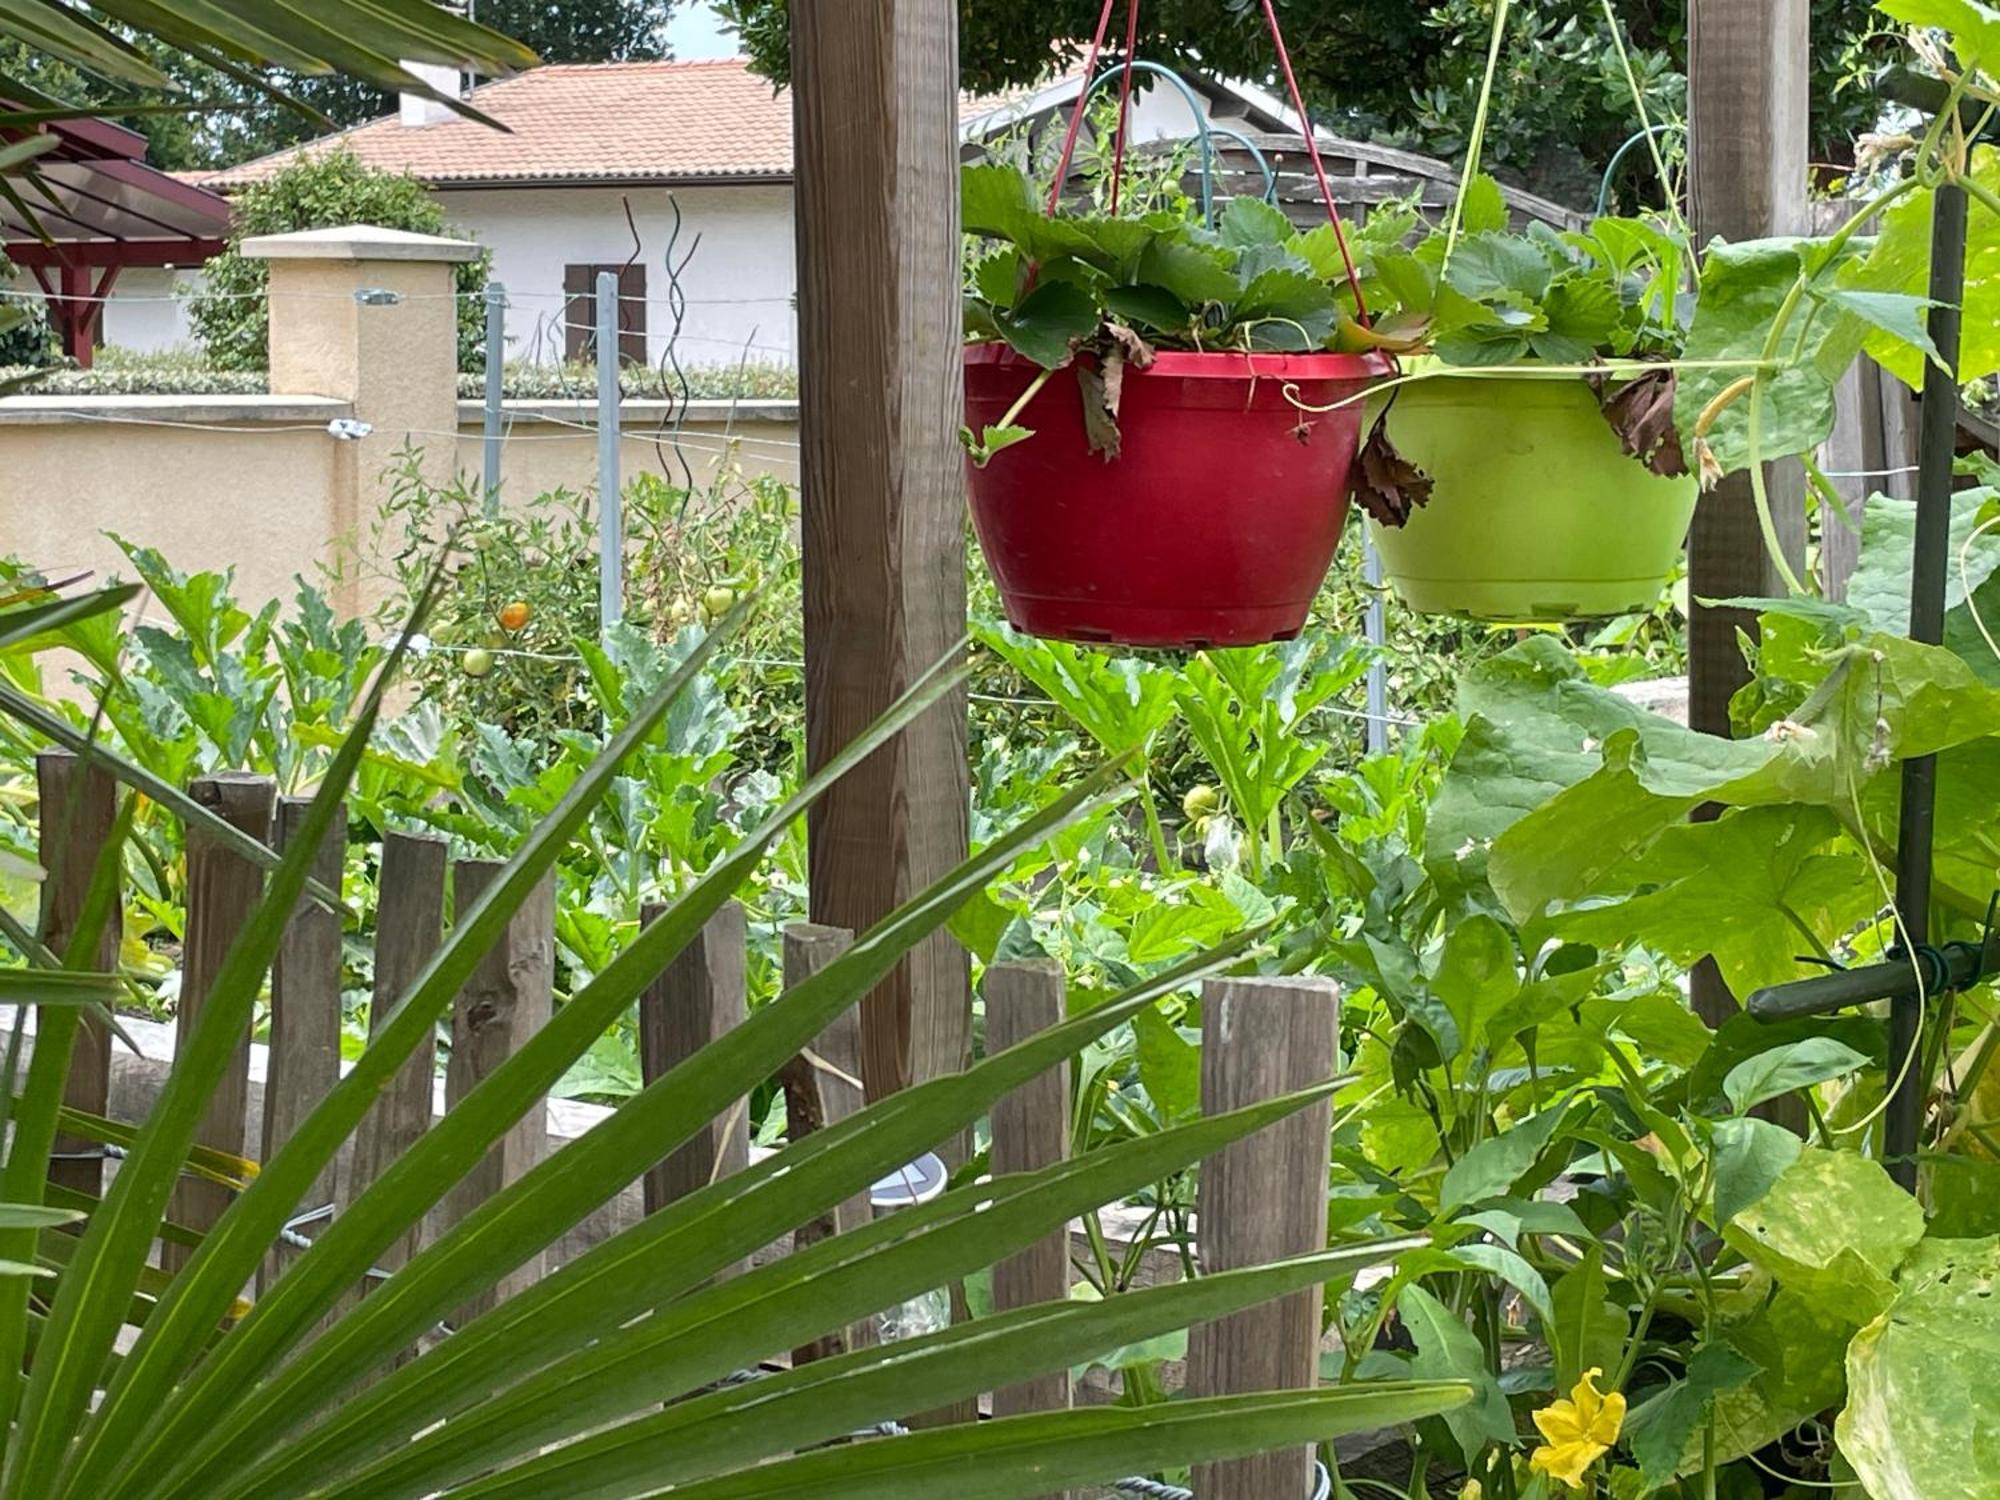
(610, 494)
(496, 370)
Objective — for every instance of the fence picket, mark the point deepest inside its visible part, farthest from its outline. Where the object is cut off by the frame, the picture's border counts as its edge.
(700, 996)
(823, 1089)
(1030, 1131)
(223, 889)
(1263, 1199)
(304, 1057)
(509, 997)
(77, 806)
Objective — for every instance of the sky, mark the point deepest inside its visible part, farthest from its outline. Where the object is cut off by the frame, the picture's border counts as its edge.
(693, 32)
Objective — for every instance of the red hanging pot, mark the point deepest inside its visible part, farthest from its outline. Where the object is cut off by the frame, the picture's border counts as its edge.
(1214, 527)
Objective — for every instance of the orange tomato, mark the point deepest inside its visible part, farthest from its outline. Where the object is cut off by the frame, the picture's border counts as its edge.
(515, 615)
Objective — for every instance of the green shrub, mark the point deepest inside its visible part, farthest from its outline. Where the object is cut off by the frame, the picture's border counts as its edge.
(320, 190)
(26, 340)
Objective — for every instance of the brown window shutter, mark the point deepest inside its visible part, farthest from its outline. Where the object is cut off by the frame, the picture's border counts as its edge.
(579, 312)
(632, 314)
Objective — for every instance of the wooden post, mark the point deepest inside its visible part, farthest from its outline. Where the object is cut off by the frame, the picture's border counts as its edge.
(305, 1007)
(409, 926)
(1030, 1131)
(699, 997)
(821, 1089)
(77, 806)
(1261, 1200)
(1749, 64)
(223, 889)
(509, 997)
(875, 109)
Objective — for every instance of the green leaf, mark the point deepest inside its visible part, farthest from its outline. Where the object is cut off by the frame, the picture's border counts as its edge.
(1483, 207)
(19, 627)
(35, 1216)
(1046, 323)
(1743, 288)
(1590, 1329)
(1477, 975)
(1490, 1169)
(1901, 258)
(1750, 1155)
(1169, 1065)
(994, 199)
(614, 1361)
(1448, 1350)
(1510, 1218)
(1881, 582)
(1833, 1226)
(1246, 221)
(58, 987)
(742, 1424)
(1973, 24)
(1753, 889)
(1897, 315)
(1584, 312)
(1151, 307)
(1021, 1456)
(1492, 265)
(1662, 1429)
(1796, 1065)
(1798, 1343)
(1922, 1420)
(1536, 724)
(1286, 310)
(1505, 1265)
(1197, 274)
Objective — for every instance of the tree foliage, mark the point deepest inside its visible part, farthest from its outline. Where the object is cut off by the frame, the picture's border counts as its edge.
(320, 190)
(1408, 74)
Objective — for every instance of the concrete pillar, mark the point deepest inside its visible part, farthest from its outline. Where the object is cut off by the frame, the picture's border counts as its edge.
(367, 316)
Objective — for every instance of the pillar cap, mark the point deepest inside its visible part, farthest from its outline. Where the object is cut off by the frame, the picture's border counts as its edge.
(359, 242)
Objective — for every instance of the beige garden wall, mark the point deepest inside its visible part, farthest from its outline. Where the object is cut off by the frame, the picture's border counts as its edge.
(287, 484)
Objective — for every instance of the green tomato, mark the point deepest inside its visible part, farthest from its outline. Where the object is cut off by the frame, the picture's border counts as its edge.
(477, 662)
(717, 602)
(1201, 801)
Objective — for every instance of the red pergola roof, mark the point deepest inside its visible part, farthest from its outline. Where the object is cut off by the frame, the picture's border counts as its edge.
(94, 205)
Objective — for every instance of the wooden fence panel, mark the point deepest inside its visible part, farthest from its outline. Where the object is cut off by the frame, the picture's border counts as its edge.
(223, 889)
(509, 997)
(1263, 1199)
(698, 998)
(77, 804)
(1031, 1129)
(409, 926)
(304, 1055)
(823, 1088)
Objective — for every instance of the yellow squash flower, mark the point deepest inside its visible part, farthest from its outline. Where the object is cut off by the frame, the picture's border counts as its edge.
(1578, 1432)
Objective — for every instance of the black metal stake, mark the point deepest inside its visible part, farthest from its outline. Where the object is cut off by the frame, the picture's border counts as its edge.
(1937, 455)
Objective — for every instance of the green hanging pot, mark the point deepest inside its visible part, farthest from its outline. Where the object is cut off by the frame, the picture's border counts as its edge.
(1537, 514)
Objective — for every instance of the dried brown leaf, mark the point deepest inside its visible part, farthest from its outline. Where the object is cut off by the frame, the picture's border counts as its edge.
(1101, 387)
(1641, 412)
(1386, 484)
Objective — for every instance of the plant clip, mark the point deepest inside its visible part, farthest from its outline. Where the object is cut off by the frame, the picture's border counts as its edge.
(349, 429)
(377, 296)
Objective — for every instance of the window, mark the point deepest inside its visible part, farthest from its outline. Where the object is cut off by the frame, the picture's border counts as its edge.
(580, 312)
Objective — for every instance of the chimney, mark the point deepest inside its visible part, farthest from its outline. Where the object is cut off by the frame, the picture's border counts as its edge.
(415, 109)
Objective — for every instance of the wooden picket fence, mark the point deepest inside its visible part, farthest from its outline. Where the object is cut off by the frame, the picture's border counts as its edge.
(1260, 1200)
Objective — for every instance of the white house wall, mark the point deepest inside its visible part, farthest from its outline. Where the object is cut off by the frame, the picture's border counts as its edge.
(145, 314)
(739, 284)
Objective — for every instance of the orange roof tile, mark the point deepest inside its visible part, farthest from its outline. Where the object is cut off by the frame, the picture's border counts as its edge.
(583, 122)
